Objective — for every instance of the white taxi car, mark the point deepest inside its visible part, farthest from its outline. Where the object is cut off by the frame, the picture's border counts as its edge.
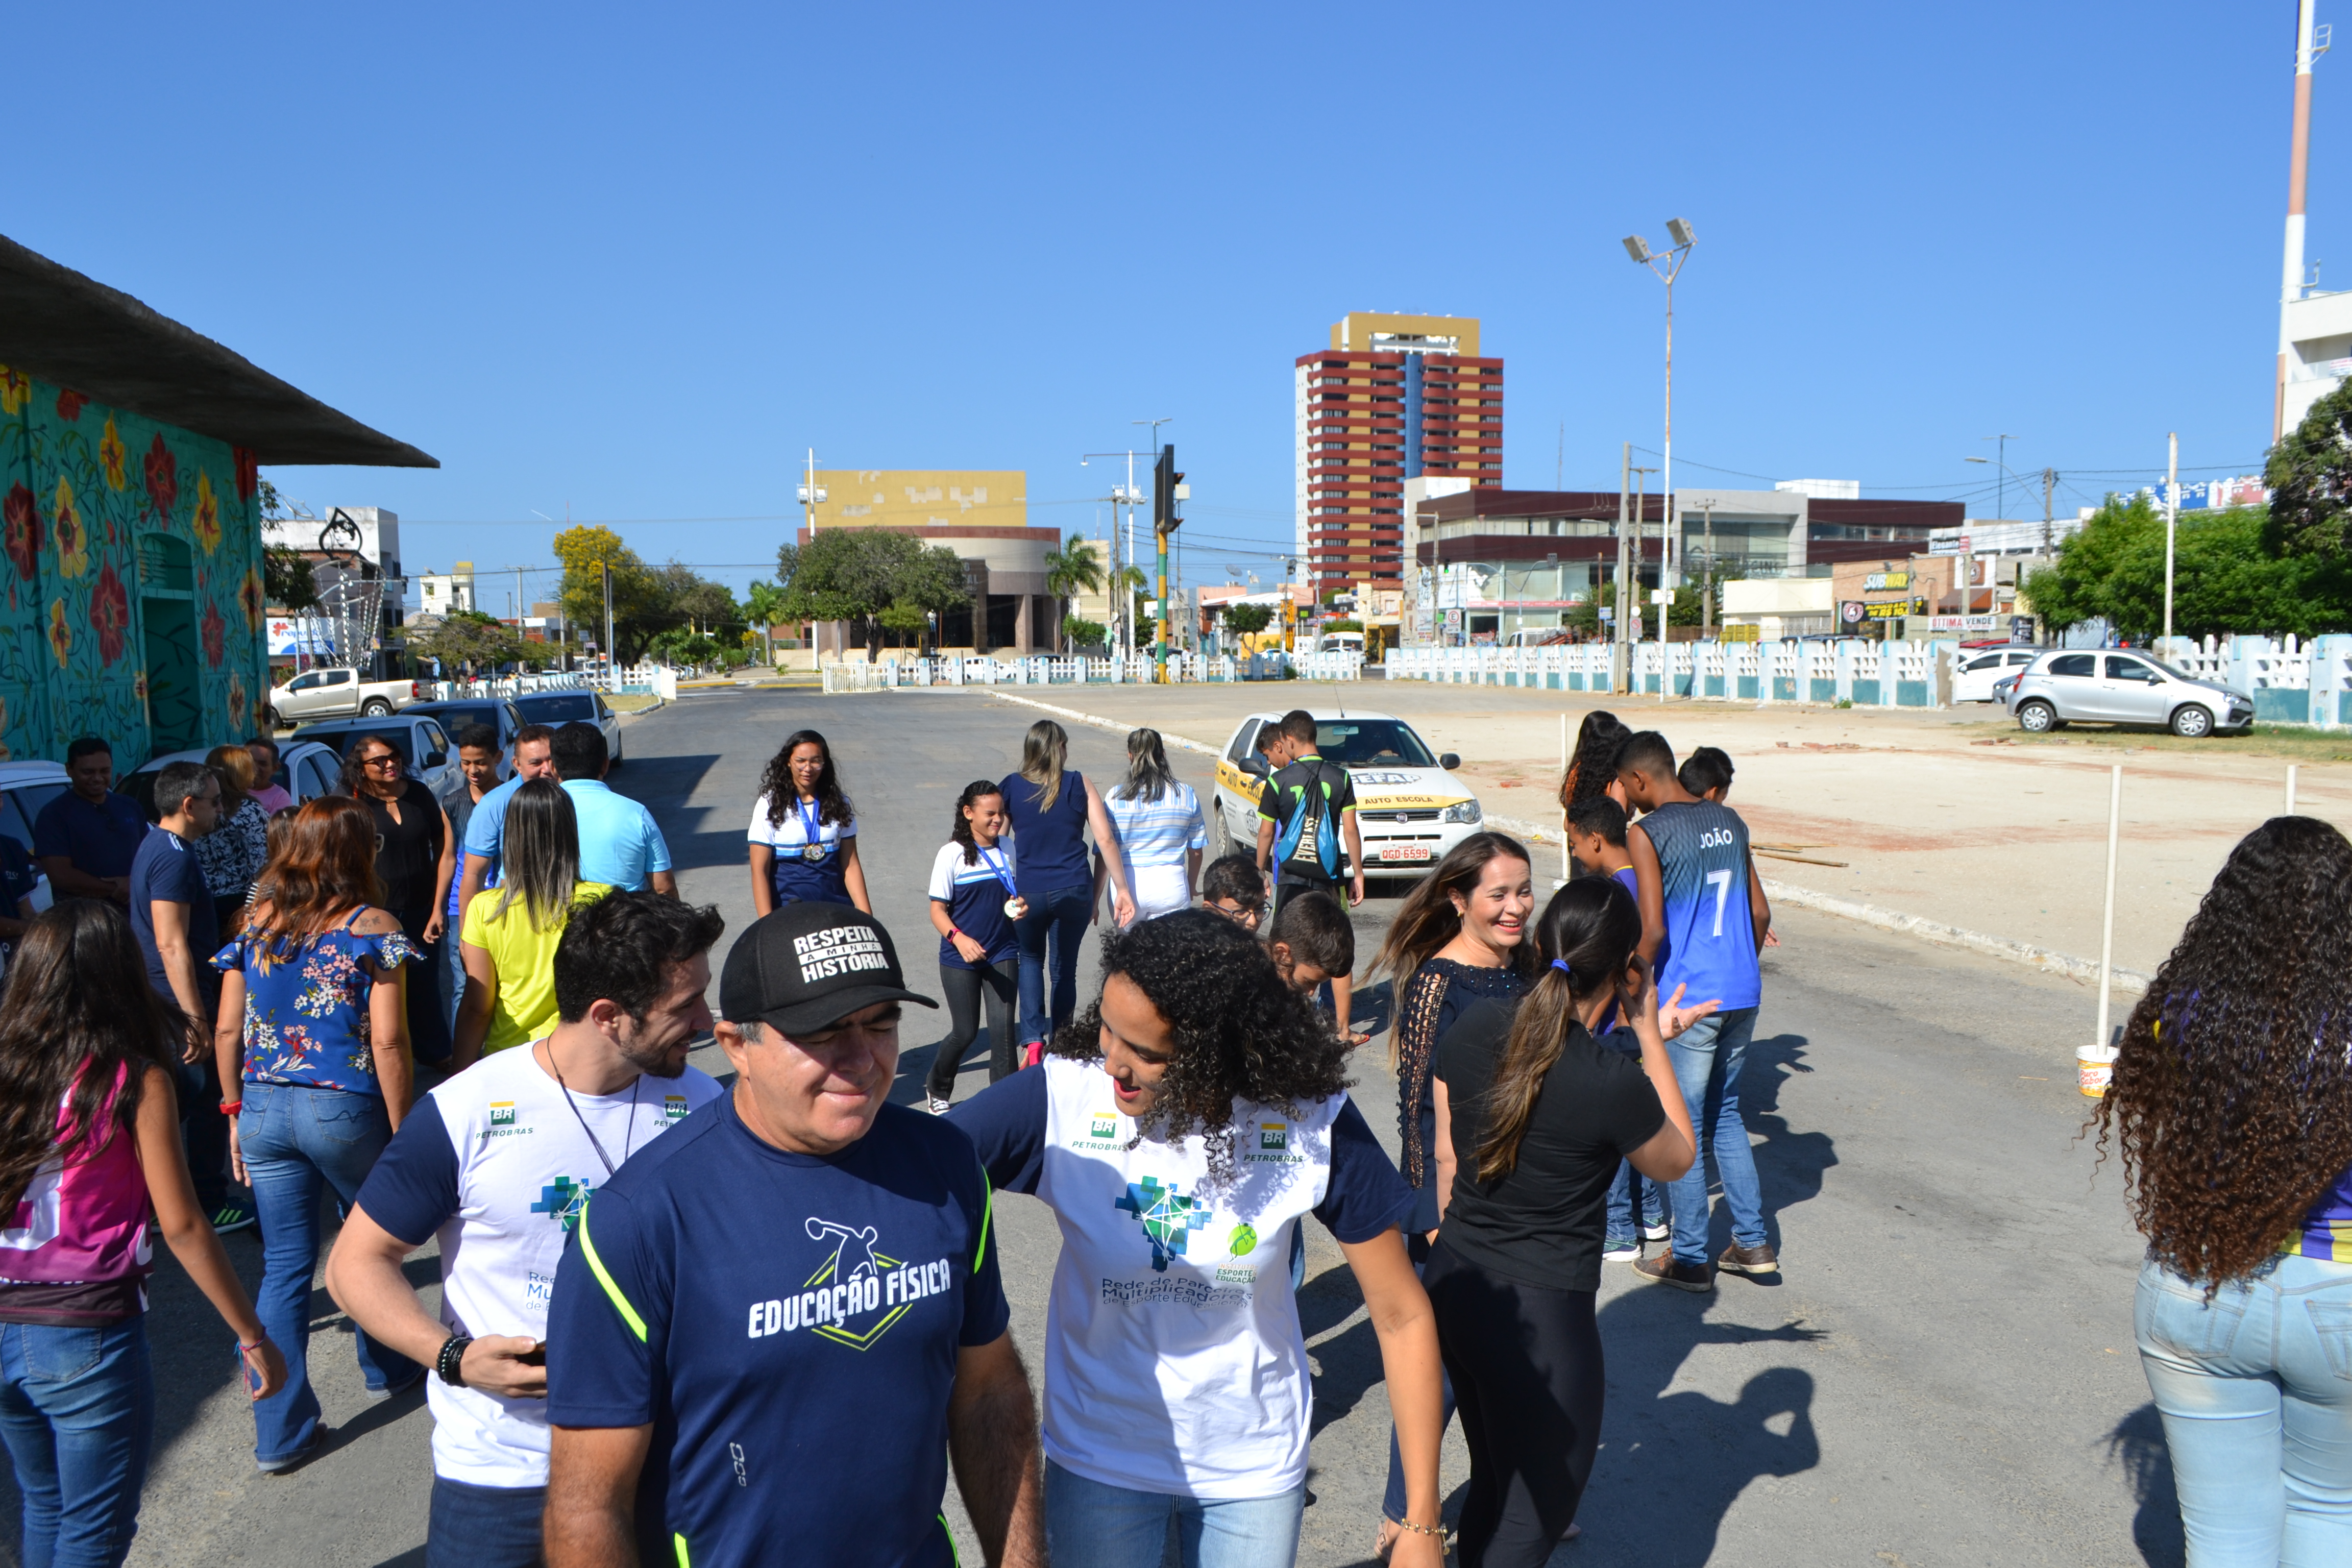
(1410, 808)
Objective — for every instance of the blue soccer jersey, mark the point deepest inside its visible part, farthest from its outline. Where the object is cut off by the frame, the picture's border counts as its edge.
(1703, 876)
(789, 1325)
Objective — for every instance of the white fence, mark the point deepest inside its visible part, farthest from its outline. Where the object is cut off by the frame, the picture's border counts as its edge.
(656, 679)
(2291, 681)
(1867, 674)
(893, 674)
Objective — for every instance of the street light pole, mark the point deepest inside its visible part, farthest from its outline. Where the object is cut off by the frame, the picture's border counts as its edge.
(1667, 267)
(2171, 523)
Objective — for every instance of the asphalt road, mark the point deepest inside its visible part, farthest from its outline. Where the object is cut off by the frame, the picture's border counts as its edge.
(1944, 1374)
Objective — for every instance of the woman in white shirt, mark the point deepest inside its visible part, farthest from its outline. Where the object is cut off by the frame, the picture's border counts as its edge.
(1181, 1128)
(1161, 831)
(803, 837)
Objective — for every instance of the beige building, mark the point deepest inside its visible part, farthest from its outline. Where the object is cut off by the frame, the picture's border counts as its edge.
(981, 514)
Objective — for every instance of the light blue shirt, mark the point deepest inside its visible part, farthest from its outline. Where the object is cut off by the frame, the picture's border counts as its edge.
(487, 828)
(619, 842)
(1157, 832)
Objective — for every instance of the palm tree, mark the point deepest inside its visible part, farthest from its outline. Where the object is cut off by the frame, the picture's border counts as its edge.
(763, 602)
(1074, 569)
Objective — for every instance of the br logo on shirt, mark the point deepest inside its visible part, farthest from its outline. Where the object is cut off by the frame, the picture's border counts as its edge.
(1274, 1135)
(1103, 1126)
(855, 1294)
(1167, 1217)
(674, 1107)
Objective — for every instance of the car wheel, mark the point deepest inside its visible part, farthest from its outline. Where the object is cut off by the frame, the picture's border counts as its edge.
(271, 721)
(2192, 722)
(1220, 837)
(377, 708)
(2037, 717)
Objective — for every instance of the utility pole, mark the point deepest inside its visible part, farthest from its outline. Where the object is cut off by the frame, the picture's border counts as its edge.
(612, 668)
(1706, 592)
(2049, 481)
(2172, 515)
(1633, 624)
(1620, 665)
(2310, 43)
(1168, 488)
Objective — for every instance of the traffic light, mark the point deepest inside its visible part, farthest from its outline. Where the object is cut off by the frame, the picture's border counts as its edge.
(1166, 490)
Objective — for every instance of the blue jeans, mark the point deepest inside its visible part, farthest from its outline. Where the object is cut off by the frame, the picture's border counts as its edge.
(453, 979)
(2257, 1410)
(293, 1139)
(78, 1413)
(1621, 1226)
(1090, 1525)
(1061, 916)
(1707, 1059)
(484, 1527)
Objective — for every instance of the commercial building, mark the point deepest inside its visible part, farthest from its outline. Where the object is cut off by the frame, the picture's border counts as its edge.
(981, 514)
(1494, 562)
(1394, 398)
(130, 456)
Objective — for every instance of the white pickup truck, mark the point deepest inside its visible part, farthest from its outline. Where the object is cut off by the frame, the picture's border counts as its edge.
(330, 693)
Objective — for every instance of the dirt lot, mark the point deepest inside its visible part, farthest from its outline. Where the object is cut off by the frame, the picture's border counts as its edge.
(1953, 817)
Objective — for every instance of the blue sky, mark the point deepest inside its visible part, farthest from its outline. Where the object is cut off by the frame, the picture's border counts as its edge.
(633, 261)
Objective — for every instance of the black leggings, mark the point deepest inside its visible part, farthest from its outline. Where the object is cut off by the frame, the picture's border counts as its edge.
(1525, 1365)
(1001, 981)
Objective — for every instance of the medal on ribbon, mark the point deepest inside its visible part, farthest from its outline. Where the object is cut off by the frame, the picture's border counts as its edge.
(811, 828)
(995, 860)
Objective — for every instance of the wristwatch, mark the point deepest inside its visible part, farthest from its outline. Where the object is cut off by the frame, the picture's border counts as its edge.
(451, 1362)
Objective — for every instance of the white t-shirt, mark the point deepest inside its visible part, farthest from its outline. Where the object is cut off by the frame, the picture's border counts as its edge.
(495, 1163)
(791, 836)
(1175, 1358)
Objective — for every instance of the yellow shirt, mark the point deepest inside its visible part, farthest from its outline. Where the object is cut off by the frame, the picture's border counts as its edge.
(524, 960)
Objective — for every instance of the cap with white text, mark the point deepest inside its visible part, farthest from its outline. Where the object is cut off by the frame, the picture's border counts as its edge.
(810, 965)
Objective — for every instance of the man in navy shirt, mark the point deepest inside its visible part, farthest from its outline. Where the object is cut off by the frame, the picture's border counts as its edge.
(172, 915)
(774, 1327)
(86, 837)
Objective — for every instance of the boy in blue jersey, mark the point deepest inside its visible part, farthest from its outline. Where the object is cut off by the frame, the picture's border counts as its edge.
(776, 1327)
(1712, 941)
(1596, 837)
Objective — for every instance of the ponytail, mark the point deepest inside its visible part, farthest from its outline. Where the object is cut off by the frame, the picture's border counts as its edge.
(959, 825)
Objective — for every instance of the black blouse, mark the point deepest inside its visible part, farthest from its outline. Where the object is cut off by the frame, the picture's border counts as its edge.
(1435, 994)
(407, 852)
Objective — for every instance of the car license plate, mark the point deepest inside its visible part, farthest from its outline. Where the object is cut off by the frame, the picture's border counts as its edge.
(1404, 852)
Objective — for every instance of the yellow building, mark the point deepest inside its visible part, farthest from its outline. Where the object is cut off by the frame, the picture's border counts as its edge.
(981, 514)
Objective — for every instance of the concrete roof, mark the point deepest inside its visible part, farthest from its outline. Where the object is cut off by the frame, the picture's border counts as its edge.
(77, 333)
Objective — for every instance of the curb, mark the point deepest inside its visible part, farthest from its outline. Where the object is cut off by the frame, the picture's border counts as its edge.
(2042, 958)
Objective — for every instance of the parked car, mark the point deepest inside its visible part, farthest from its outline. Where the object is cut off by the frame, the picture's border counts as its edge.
(557, 708)
(455, 715)
(25, 788)
(422, 744)
(1410, 808)
(2061, 688)
(307, 769)
(322, 693)
(1979, 671)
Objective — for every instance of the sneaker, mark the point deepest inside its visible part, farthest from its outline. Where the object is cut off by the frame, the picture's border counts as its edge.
(1657, 1230)
(936, 1106)
(1667, 1269)
(1740, 1259)
(1618, 1249)
(233, 1216)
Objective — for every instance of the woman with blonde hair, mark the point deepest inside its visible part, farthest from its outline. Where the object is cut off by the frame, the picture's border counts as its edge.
(510, 936)
(1162, 834)
(313, 1030)
(232, 855)
(1050, 807)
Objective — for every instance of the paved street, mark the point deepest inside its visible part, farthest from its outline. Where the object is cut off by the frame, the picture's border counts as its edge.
(1944, 1375)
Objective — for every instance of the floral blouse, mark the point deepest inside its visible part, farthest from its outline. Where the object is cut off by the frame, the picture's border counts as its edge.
(231, 854)
(306, 1005)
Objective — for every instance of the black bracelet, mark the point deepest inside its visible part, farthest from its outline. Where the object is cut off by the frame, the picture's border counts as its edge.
(451, 1362)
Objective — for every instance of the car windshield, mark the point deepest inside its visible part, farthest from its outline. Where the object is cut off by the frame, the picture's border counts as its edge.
(401, 738)
(455, 717)
(558, 708)
(1368, 742)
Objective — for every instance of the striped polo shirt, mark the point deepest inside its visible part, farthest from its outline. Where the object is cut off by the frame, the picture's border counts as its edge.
(1157, 832)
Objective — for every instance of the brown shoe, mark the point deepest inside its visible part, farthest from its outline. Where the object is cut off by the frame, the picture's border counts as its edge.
(1740, 1259)
(1667, 1269)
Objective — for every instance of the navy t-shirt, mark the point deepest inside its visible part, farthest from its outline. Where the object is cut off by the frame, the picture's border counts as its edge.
(975, 895)
(790, 1326)
(166, 870)
(1050, 844)
(99, 840)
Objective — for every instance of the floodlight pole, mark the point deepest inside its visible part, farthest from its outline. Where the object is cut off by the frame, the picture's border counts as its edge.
(2171, 527)
(1667, 267)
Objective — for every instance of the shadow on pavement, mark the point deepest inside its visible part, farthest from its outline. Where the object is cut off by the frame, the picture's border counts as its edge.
(664, 784)
(2138, 1445)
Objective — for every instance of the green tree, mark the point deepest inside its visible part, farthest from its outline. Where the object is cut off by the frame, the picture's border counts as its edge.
(1244, 620)
(1079, 632)
(855, 574)
(1075, 568)
(471, 641)
(2310, 477)
(640, 603)
(695, 601)
(763, 606)
(2231, 573)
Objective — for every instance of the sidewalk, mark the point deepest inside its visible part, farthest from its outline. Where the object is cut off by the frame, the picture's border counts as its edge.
(1950, 816)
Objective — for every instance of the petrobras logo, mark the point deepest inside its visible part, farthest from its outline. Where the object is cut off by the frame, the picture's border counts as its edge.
(674, 1107)
(1104, 1126)
(502, 1113)
(1274, 1135)
(856, 1293)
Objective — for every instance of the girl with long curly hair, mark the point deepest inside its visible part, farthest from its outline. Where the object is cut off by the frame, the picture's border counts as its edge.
(1180, 1129)
(2231, 1103)
(803, 838)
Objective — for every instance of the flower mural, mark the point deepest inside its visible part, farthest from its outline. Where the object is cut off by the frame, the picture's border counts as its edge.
(251, 600)
(162, 479)
(66, 527)
(70, 405)
(110, 456)
(211, 629)
(248, 472)
(239, 718)
(206, 518)
(15, 390)
(60, 634)
(20, 529)
(109, 614)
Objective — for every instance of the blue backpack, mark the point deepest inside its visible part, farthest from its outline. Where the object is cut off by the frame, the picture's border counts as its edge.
(1309, 840)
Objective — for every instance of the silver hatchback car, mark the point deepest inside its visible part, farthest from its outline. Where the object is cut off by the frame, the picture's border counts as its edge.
(2114, 687)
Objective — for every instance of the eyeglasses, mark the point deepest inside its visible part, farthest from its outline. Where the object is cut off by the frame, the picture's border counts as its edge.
(1239, 916)
(388, 760)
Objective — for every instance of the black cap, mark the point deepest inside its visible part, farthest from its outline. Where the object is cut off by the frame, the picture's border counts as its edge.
(809, 965)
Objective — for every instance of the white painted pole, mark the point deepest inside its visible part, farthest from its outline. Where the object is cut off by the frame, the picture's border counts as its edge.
(2171, 526)
(2097, 1065)
(2290, 789)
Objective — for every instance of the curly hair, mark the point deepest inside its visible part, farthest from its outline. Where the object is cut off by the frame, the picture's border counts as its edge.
(2231, 1098)
(776, 782)
(1239, 1033)
(1593, 767)
(959, 825)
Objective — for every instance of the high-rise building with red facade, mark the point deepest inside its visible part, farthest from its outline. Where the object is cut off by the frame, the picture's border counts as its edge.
(1393, 398)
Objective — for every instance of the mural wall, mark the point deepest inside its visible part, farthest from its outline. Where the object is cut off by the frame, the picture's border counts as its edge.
(133, 605)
